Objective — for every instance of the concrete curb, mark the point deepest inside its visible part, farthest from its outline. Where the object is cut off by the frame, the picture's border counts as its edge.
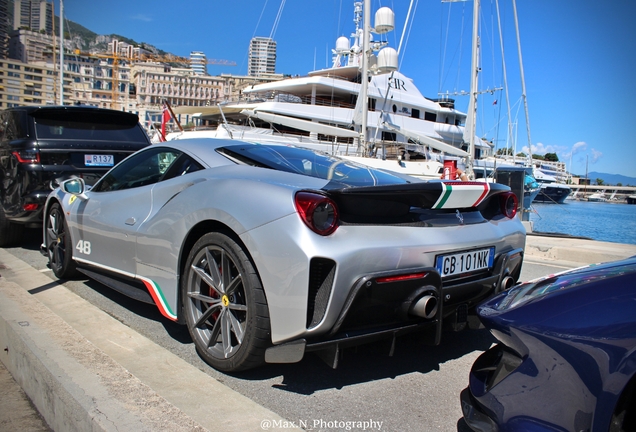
(575, 250)
(84, 370)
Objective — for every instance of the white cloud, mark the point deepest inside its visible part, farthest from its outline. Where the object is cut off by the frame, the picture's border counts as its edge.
(596, 156)
(579, 147)
(141, 17)
(538, 148)
(542, 149)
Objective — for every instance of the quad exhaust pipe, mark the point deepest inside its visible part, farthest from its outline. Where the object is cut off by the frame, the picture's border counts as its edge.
(425, 307)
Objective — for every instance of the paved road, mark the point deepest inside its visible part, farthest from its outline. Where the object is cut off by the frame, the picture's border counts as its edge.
(415, 390)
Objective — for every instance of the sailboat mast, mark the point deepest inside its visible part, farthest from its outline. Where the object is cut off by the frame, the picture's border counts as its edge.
(474, 81)
(523, 80)
(364, 85)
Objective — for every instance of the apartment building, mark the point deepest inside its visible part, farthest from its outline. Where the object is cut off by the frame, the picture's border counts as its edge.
(29, 84)
(198, 63)
(35, 15)
(262, 57)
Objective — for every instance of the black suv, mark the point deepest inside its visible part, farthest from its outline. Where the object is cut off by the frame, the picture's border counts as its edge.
(41, 146)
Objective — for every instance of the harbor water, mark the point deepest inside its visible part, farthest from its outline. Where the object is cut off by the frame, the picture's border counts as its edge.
(603, 221)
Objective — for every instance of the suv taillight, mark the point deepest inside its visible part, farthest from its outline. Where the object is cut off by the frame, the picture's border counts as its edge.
(27, 156)
(318, 212)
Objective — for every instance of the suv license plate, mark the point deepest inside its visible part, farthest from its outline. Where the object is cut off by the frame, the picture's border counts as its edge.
(465, 262)
(99, 160)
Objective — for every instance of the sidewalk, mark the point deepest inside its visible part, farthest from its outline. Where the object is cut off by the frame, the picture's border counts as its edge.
(84, 370)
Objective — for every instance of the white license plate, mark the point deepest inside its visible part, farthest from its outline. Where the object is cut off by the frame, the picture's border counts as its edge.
(465, 262)
(99, 160)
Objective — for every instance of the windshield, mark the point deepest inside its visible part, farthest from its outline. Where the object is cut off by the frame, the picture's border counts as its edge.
(311, 163)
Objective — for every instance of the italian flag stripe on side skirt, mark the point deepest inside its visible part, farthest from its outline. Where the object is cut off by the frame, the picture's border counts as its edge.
(461, 195)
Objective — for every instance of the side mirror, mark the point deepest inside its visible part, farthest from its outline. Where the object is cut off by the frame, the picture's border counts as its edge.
(75, 186)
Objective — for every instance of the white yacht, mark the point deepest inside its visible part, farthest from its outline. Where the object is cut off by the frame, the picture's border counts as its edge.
(597, 197)
(405, 131)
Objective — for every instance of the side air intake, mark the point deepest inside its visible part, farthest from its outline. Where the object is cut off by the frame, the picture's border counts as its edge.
(321, 275)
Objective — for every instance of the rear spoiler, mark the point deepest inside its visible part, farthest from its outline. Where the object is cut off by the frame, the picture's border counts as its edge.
(437, 195)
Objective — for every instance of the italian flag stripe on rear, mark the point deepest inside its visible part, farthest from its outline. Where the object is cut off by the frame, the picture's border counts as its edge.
(461, 194)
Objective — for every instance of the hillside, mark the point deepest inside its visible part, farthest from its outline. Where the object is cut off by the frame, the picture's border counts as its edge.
(611, 179)
(86, 40)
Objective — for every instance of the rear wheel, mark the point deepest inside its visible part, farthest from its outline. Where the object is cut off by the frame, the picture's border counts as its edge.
(10, 233)
(58, 244)
(225, 305)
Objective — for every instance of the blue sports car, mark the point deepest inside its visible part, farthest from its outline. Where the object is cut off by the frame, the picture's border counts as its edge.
(566, 357)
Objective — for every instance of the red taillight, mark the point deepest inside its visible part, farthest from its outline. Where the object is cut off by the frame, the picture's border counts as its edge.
(318, 212)
(509, 204)
(30, 207)
(400, 278)
(27, 156)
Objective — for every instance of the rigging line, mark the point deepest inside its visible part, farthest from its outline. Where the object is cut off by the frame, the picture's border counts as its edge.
(505, 76)
(277, 20)
(246, 55)
(408, 35)
(406, 24)
(259, 19)
(444, 47)
(458, 50)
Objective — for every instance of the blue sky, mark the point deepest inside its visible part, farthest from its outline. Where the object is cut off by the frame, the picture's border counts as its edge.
(579, 58)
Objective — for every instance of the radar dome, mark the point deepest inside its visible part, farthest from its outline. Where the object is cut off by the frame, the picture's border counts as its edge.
(384, 20)
(387, 60)
(342, 44)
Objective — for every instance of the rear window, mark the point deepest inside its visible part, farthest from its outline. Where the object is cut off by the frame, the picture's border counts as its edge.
(87, 126)
(311, 163)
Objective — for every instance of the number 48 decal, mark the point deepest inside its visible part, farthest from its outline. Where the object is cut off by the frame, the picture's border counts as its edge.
(84, 247)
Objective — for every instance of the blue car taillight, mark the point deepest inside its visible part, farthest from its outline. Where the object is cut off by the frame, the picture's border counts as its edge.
(492, 367)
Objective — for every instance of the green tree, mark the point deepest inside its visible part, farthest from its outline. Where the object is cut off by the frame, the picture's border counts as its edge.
(539, 157)
(505, 151)
(552, 157)
(600, 182)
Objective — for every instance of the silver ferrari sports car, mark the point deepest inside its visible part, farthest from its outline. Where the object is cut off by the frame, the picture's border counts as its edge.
(267, 252)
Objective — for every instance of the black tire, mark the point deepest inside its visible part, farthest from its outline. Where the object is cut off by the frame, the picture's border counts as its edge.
(59, 246)
(10, 233)
(225, 305)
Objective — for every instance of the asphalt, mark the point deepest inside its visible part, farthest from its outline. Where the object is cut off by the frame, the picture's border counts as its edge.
(65, 365)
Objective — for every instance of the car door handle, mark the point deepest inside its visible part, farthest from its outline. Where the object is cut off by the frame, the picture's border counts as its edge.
(130, 221)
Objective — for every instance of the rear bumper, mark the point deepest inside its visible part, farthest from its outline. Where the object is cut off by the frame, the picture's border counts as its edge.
(380, 306)
(38, 185)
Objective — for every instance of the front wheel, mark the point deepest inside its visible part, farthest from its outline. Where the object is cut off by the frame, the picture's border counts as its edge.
(225, 305)
(58, 244)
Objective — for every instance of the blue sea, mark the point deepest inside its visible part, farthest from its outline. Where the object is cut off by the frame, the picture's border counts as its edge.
(602, 221)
